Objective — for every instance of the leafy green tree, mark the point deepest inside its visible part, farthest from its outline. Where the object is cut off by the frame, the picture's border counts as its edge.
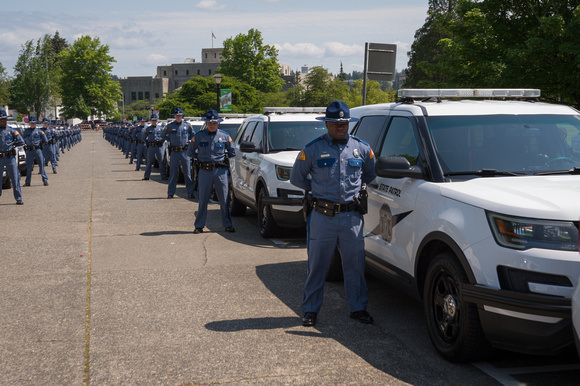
(87, 85)
(322, 88)
(4, 86)
(36, 78)
(138, 109)
(375, 94)
(248, 59)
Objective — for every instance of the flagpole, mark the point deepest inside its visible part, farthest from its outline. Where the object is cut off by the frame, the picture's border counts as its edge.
(212, 35)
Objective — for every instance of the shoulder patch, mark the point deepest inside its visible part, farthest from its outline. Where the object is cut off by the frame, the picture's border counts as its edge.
(372, 154)
(301, 156)
(314, 140)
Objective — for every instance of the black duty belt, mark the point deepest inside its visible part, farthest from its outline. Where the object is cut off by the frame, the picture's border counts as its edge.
(6, 154)
(156, 143)
(332, 208)
(211, 165)
(32, 147)
(178, 148)
(139, 141)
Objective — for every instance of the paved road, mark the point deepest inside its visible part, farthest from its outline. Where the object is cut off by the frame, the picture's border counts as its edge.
(102, 282)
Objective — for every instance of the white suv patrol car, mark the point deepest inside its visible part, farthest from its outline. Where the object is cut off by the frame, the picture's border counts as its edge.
(475, 209)
(266, 148)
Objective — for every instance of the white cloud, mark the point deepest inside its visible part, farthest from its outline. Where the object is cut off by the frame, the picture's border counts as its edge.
(210, 5)
(340, 50)
(157, 59)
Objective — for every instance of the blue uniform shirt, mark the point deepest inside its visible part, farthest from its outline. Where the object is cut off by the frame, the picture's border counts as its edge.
(178, 134)
(211, 147)
(49, 132)
(35, 137)
(9, 139)
(153, 133)
(337, 170)
(139, 134)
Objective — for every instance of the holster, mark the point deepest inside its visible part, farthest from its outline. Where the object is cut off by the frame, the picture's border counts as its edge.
(362, 201)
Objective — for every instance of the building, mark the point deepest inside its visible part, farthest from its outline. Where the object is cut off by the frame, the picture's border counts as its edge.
(169, 77)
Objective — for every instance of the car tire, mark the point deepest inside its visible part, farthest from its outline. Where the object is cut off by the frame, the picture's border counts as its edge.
(266, 223)
(237, 208)
(454, 326)
(335, 273)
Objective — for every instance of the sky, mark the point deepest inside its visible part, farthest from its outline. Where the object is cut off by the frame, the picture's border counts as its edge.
(144, 34)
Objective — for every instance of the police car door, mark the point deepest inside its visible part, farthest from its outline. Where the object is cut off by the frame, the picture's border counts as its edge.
(240, 167)
(389, 224)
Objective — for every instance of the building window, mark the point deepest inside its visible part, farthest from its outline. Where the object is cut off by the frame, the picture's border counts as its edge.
(133, 96)
(156, 95)
(164, 73)
(147, 95)
(214, 55)
(210, 71)
(206, 55)
(140, 95)
(198, 72)
(186, 72)
(176, 72)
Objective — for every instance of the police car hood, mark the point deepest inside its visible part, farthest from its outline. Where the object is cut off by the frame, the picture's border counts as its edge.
(545, 197)
(282, 158)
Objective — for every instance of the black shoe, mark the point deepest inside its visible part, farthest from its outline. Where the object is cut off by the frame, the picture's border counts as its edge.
(170, 196)
(19, 202)
(26, 184)
(191, 196)
(54, 171)
(230, 229)
(144, 179)
(137, 170)
(198, 230)
(362, 316)
(164, 178)
(45, 183)
(309, 319)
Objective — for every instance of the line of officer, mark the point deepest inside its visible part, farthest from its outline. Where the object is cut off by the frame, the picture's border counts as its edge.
(334, 167)
(178, 133)
(212, 148)
(155, 147)
(10, 138)
(34, 139)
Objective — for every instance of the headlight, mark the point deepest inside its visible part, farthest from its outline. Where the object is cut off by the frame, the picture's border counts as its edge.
(283, 172)
(525, 233)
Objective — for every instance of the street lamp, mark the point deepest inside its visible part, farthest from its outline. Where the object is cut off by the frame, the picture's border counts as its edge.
(217, 78)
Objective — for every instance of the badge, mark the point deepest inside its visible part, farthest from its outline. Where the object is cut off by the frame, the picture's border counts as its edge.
(356, 153)
(220, 140)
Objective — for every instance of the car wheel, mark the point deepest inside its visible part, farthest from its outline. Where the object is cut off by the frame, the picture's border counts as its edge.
(334, 272)
(453, 325)
(237, 208)
(266, 223)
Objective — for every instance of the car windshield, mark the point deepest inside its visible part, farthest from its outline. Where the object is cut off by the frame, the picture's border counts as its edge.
(521, 144)
(293, 135)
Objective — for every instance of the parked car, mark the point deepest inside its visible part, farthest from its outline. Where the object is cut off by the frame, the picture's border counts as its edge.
(576, 317)
(475, 211)
(266, 148)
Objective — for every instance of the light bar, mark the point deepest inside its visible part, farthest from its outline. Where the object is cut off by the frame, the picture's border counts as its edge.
(282, 110)
(469, 93)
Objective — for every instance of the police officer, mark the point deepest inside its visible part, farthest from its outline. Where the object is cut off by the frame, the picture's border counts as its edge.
(178, 133)
(10, 138)
(155, 147)
(34, 139)
(139, 138)
(212, 148)
(48, 149)
(338, 165)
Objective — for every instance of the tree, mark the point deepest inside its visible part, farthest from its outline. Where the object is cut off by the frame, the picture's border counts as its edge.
(4, 86)
(246, 58)
(321, 88)
(87, 85)
(36, 78)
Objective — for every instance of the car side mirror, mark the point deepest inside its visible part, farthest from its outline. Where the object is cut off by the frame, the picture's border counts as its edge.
(397, 167)
(249, 147)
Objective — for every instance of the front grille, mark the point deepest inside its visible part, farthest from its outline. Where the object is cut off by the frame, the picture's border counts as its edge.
(517, 279)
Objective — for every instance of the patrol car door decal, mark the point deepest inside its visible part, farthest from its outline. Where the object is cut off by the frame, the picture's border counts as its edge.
(387, 221)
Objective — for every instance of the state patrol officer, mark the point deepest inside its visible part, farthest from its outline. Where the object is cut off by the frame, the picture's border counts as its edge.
(211, 147)
(139, 138)
(179, 133)
(48, 148)
(155, 147)
(10, 139)
(338, 165)
(34, 139)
